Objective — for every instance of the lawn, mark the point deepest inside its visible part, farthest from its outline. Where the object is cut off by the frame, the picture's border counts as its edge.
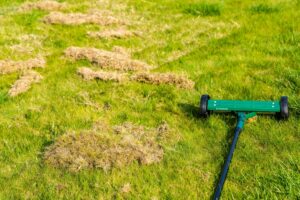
(231, 49)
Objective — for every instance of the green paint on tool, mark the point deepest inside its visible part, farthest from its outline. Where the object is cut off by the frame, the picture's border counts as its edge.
(244, 110)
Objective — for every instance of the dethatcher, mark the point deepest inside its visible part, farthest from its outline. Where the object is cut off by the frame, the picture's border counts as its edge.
(245, 110)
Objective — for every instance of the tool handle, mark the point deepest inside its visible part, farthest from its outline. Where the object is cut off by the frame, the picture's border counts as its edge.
(226, 165)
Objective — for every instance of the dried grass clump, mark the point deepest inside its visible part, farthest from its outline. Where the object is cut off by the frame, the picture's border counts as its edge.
(9, 66)
(24, 83)
(21, 48)
(26, 44)
(117, 147)
(121, 50)
(163, 78)
(80, 18)
(43, 5)
(126, 188)
(89, 74)
(120, 33)
(106, 59)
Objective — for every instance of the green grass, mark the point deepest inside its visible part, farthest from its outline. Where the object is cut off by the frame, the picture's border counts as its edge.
(263, 8)
(203, 9)
(229, 52)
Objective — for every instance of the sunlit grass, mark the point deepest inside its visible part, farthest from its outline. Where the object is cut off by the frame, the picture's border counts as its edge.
(203, 9)
(263, 8)
(231, 50)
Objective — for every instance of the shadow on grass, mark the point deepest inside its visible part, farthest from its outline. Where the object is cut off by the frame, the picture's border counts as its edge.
(3, 97)
(229, 118)
(47, 143)
(294, 108)
(190, 111)
(232, 121)
(193, 112)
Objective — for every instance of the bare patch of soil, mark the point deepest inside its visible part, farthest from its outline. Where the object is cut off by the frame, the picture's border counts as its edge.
(9, 66)
(24, 83)
(89, 74)
(43, 5)
(80, 18)
(120, 33)
(117, 147)
(164, 78)
(107, 59)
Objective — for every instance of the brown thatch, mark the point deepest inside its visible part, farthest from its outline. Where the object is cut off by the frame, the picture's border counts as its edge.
(163, 78)
(80, 18)
(106, 59)
(114, 148)
(9, 66)
(43, 5)
(126, 188)
(89, 74)
(121, 50)
(120, 33)
(24, 83)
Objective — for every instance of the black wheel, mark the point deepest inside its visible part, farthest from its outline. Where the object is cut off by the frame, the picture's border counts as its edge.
(284, 109)
(203, 105)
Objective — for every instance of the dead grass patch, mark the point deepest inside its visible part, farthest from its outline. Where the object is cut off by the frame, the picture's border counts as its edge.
(89, 74)
(126, 188)
(164, 78)
(117, 147)
(120, 33)
(80, 18)
(43, 5)
(121, 50)
(85, 99)
(20, 48)
(9, 66)
(107, 59)
(26, 44)
(24, 83)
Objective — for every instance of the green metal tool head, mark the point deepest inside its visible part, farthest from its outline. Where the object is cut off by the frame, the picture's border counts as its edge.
(208, 106)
